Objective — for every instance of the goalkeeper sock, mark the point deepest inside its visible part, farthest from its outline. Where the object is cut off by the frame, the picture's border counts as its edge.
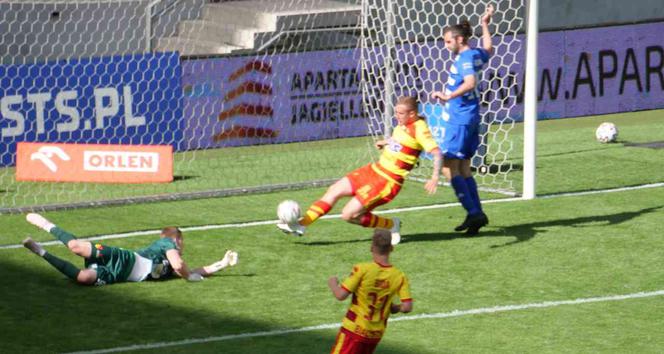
(62, 235)
(463, 194)
(474, 195)
(375, 221)
(315, 211)
(63, 266)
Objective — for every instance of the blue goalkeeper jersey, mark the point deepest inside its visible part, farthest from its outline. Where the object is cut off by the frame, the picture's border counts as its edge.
(465, 109)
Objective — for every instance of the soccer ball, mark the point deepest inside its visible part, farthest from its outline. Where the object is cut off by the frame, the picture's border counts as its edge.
(606, 132)
(288, 212)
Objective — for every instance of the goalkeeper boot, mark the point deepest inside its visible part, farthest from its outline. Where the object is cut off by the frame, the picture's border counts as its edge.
(39, 221)
(475, 223)
(464, 225)
(33, 246)
(396, 231)
(293, 229)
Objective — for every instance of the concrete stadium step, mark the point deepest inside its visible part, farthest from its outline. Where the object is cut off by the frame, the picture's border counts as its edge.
(232, 14)
(251, 24)
(190, 46)
(272, 15)
(217, 32)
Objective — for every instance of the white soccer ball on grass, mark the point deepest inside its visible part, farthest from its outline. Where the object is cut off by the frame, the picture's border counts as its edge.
(288, 212)
(606, 133)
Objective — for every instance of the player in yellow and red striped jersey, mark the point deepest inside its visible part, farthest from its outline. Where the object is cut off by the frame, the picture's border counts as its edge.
(373, 285)
(378, 183)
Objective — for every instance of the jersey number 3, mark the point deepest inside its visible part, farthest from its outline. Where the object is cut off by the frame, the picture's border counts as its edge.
(376, 303)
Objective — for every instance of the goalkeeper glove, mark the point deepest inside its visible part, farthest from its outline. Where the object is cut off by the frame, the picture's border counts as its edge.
(230, 259)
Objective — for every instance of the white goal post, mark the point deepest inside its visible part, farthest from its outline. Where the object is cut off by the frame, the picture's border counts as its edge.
(530, 104)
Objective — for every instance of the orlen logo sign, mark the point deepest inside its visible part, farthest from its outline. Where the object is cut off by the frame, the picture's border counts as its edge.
(47, 154)
(94, 163)
(120, 161)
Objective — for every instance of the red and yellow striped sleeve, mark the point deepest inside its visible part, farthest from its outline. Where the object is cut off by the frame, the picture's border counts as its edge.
(423, 136)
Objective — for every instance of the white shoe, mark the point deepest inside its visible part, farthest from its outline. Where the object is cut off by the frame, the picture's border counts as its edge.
(396, 231)
(293, 229)
(39, 221)
(33, 246)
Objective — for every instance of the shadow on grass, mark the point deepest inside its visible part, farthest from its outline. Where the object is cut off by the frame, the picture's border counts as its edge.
(525, 232)
(183, 177)
(233, 275)
(42, 311)
(650, 144)
(494, 168)
(574, 152)
(329, 243)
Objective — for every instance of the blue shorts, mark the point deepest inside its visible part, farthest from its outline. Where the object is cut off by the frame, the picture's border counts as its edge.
(460, 141)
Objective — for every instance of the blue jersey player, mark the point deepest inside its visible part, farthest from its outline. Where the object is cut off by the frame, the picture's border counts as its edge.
(462, 105)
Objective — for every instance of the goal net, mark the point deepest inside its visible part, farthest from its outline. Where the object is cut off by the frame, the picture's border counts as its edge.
(403, 54)
(252, 95)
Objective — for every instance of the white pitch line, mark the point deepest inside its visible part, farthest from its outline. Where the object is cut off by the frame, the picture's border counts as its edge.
(153, 232)
(455, 313)
(600, 191)
(336, 216)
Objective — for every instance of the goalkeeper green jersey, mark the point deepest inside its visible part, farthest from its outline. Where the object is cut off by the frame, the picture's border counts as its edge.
(156, 252)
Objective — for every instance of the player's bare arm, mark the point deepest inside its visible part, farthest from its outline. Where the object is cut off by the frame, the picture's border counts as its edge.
(469, 83)
(230, 259)
(380, 144)
(180, 267)
(403, 307)
(440, 95)
(338, 292)
(486, 34)
(432, 184)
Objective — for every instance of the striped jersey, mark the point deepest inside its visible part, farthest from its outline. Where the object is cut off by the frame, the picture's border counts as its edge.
(404, 148)
(373, 286)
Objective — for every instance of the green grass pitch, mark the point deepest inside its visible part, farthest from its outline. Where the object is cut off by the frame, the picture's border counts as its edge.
(547, 249)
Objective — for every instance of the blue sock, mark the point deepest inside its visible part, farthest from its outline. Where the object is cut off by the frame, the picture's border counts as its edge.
(463, 194)
(472, 188)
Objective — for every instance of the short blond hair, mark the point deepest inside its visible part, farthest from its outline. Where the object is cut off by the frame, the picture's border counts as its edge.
(408, 101)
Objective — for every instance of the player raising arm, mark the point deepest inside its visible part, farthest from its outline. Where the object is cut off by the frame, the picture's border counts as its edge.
(378, 183)
(461, 100)
(108, 265)
(373, 285)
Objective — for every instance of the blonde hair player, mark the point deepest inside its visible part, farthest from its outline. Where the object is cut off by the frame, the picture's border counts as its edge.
(378, 183)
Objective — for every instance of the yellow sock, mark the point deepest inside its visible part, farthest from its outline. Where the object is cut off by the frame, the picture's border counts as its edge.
(375, 221)
(383, 223)
(315, 211)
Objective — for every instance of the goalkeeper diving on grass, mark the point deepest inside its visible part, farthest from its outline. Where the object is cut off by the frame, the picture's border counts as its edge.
(162, 259)
(378, 183)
